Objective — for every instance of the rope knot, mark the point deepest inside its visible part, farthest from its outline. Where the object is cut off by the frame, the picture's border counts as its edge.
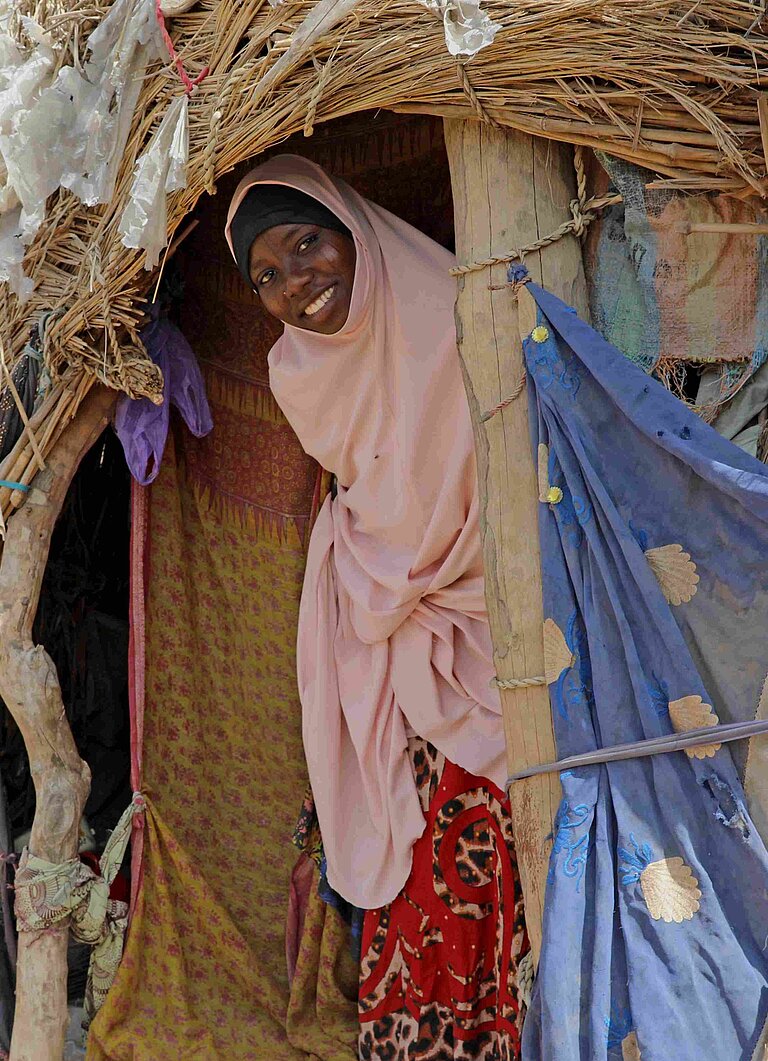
(190, 84)
(517, 273)
(581, 221)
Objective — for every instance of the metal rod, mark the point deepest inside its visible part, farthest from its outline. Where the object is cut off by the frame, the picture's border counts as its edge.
(673, 742)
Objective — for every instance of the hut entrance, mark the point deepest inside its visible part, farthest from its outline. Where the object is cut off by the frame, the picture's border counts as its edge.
(231, 947)
(208, 959)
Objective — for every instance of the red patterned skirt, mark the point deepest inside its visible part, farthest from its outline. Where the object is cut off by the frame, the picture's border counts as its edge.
(438, 978)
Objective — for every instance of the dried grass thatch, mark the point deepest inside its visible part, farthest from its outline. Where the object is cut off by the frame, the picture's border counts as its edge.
(673, 86)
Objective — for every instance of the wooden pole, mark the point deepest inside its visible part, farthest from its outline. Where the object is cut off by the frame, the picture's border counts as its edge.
(30, 688)
(510, 189)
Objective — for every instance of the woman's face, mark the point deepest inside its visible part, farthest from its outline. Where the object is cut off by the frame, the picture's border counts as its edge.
(304, 275)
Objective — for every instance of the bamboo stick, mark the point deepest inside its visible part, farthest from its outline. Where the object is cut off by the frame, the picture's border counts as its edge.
(661, 161)
(762, 115)
(16, 461)
(725, 228)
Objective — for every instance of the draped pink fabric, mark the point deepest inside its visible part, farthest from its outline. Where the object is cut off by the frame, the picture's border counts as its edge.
(393, 632)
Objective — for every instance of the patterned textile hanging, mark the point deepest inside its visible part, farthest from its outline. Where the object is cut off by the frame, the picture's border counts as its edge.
(440, 975)
(48, 894)
(656, 608)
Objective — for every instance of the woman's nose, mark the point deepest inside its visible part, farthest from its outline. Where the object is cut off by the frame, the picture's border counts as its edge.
(296, 280)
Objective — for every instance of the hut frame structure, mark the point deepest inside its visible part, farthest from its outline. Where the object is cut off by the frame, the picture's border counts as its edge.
(676, 87)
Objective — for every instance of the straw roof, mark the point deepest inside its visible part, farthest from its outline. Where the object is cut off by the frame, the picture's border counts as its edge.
(673, 86)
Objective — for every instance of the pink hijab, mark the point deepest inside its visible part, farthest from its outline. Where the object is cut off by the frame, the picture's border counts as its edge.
(393, 632)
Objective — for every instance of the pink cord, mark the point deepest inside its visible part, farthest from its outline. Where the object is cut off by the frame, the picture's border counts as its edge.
(187, 81)
(507, 401)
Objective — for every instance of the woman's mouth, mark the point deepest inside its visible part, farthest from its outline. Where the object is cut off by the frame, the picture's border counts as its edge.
(322, 299)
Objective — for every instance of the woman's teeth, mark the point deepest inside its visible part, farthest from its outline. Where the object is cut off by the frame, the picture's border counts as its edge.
(319, 302)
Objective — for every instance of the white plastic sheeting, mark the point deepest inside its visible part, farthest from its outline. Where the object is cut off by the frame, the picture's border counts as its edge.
(68, 129)
(160, 170)
(12, 255)
(467, 27)
(104, 99)
(25, 186)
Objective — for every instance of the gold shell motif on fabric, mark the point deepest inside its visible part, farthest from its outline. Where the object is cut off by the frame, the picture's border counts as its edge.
(670, 890)
(557, 656)
(675, 572)
(690, 712)
(630, 1051)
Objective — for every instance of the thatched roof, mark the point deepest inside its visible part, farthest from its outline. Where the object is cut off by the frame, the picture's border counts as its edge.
(674, 86)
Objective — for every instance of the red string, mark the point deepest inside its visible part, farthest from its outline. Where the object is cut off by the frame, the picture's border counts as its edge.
(187, 81)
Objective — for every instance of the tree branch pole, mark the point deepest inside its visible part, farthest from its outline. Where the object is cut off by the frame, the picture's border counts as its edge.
(30, 688)
(510, 189)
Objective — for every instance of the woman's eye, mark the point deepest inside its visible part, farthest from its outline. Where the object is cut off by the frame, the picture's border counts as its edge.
(307, 242)
(266, 277)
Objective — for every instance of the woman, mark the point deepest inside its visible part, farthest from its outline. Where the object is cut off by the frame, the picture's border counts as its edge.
(402, 727)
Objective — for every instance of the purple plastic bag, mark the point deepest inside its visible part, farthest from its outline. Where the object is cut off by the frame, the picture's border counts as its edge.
(142, 426)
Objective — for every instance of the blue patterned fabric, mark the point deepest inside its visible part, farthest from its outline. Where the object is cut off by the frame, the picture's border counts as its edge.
(655, 571)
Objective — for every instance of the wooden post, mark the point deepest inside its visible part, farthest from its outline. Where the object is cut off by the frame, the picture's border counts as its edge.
(30, 688)
(509, 190)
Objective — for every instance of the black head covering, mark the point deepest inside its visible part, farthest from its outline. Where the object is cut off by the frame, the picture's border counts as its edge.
(267, 205)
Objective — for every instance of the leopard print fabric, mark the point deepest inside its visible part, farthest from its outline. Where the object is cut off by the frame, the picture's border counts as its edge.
(438, 979)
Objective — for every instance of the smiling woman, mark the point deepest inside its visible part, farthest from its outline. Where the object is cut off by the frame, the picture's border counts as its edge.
(296, 254)
(402, 728)
(304, 274)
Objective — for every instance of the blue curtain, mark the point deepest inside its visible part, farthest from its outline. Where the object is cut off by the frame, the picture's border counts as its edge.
(655, 571)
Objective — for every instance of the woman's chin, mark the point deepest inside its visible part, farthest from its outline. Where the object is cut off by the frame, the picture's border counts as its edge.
(330, 328)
